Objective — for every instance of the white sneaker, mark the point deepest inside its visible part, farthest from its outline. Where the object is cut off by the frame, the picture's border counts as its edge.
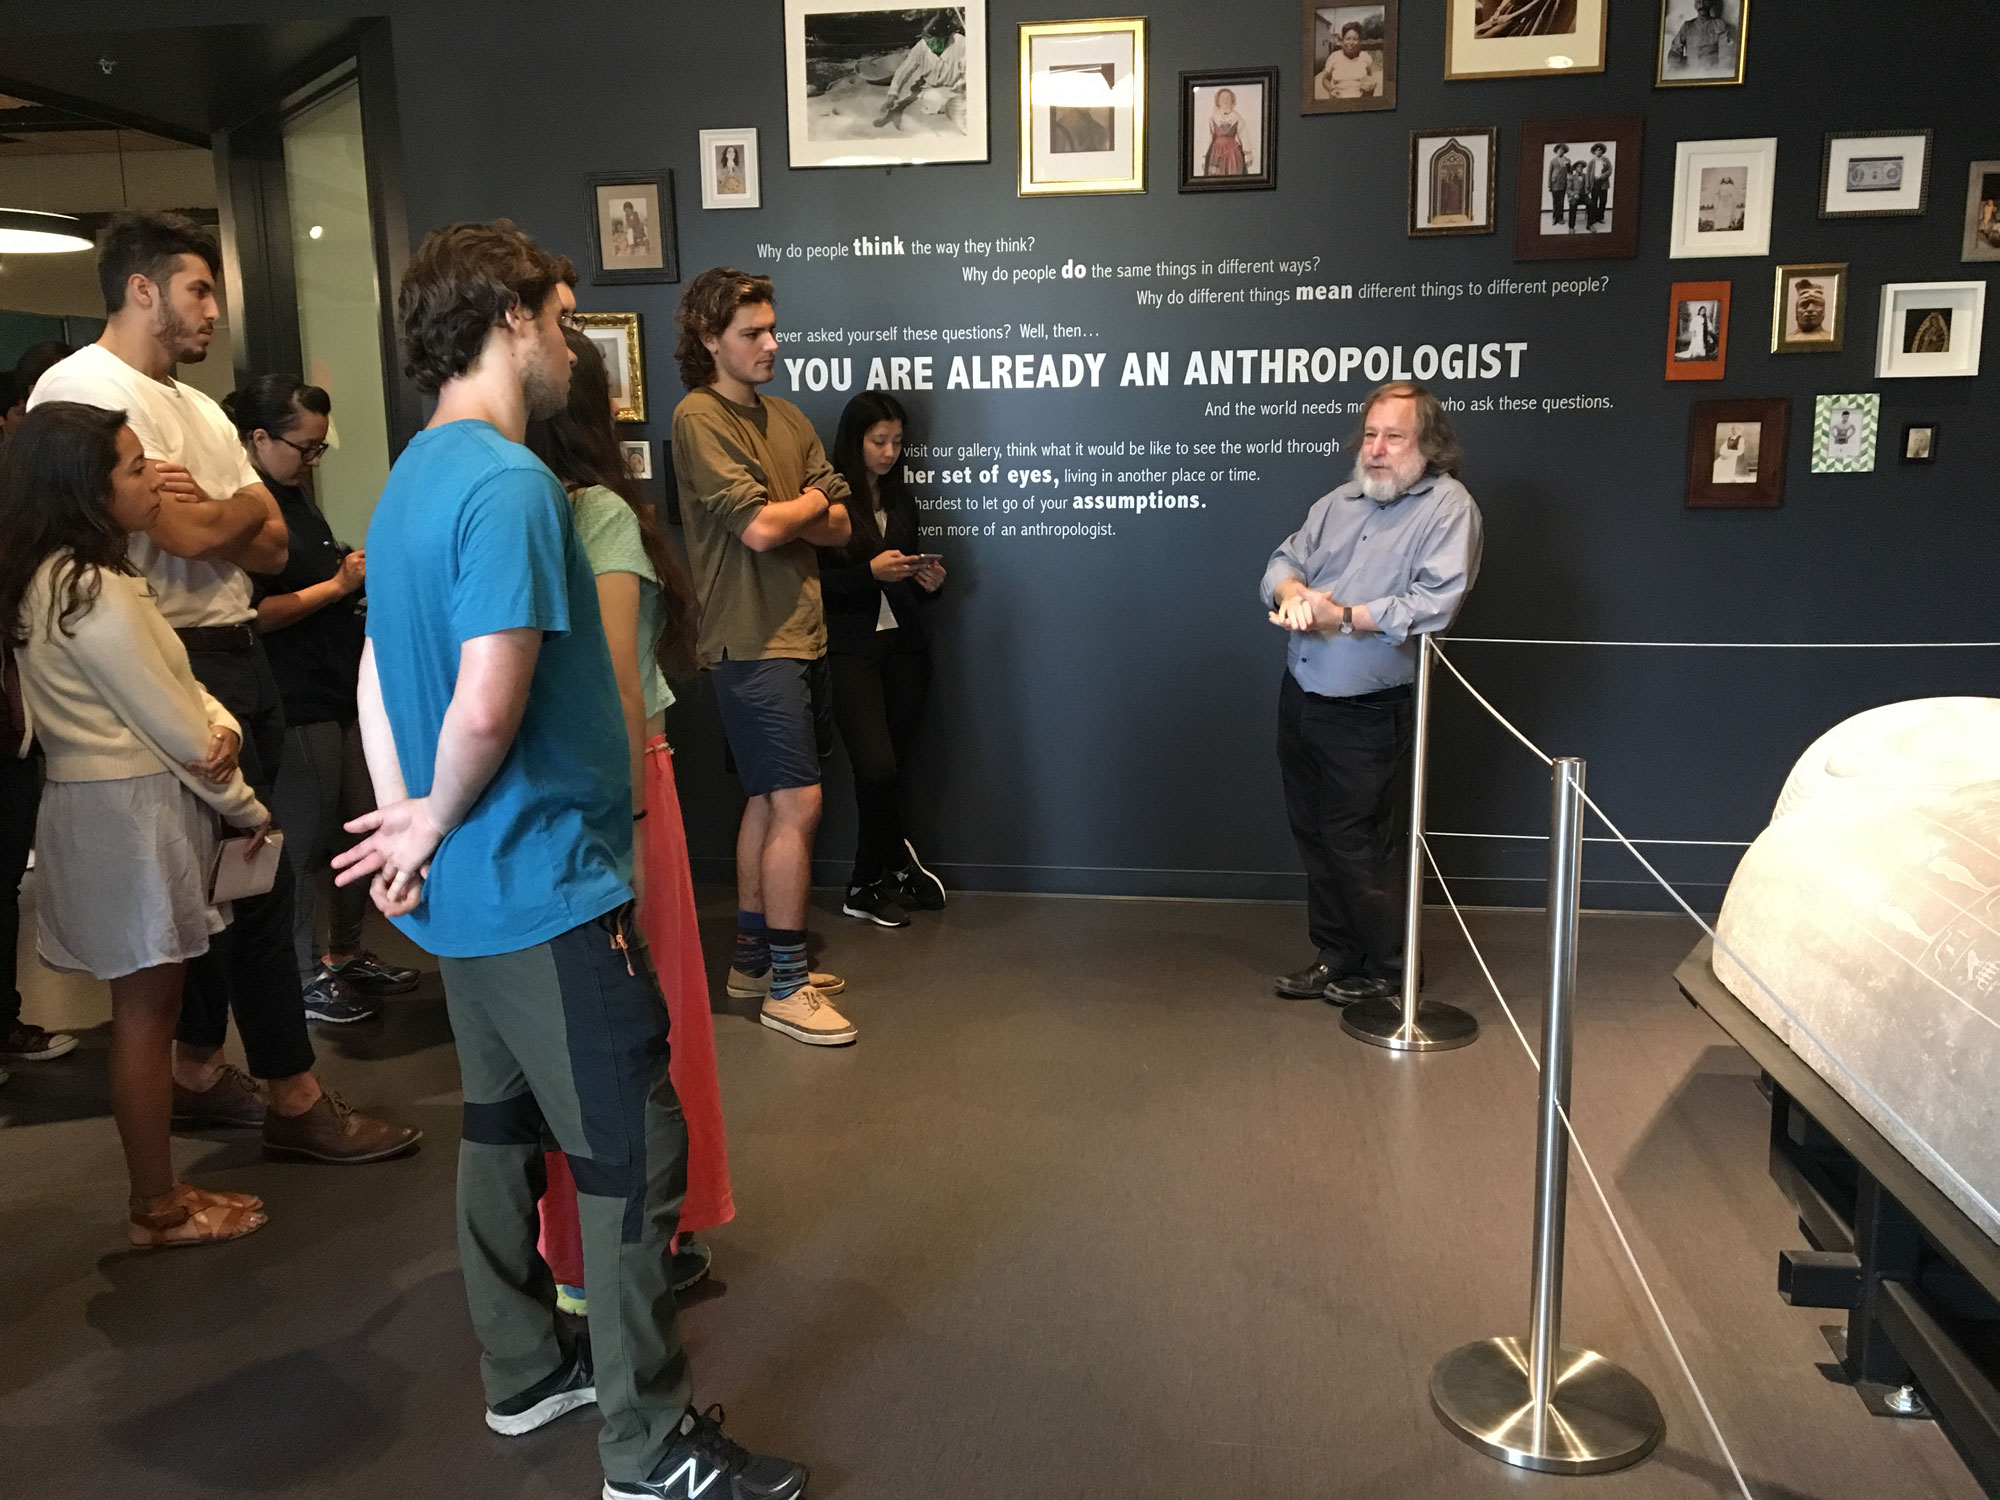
(741, 986)
(804, 1016)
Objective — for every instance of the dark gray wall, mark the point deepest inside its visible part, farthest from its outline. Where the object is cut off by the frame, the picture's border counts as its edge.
(1104, 713)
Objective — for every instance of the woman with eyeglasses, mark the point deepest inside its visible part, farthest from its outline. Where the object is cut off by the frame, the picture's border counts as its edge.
(311, 615)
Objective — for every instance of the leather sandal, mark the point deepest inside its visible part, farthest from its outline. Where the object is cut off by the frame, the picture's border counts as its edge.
(191, 1216)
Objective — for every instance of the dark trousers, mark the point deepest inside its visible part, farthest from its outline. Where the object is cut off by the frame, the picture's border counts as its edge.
(1346, 765)
(20, 796)
(249, 970)
(321, 787)
(569, 1038)
(878, 702)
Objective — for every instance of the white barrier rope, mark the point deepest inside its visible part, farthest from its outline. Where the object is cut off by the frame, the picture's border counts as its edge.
(1543, 838)
(1603, 1199)
(1505, 640)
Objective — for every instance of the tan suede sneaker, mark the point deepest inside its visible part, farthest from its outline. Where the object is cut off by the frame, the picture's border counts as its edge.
(804, 1016)
(741, 986)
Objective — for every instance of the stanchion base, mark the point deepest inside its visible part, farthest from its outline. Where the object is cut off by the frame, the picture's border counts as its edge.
(1602, 1418)
(1439, 1027)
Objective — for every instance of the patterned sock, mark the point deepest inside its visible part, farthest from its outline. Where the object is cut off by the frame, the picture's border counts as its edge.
(788, 961)
(753, 949)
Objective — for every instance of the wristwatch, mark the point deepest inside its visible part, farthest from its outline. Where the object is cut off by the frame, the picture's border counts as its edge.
(1347, 619)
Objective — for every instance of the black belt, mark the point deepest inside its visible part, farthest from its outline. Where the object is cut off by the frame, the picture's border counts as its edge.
(217, 637)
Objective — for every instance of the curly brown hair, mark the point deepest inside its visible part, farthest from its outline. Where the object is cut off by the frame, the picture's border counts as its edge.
(710, 301)
(463, 281)
(1435, 438)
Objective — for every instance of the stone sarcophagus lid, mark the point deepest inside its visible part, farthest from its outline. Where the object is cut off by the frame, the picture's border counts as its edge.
(1863, 928)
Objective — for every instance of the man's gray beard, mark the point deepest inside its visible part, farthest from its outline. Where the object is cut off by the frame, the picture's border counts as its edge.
(1382, 491)
(544, 394)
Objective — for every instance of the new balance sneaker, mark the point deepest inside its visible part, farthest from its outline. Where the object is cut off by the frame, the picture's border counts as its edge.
(741, 986)
(368, 975)
(874, 903)
(570, 1385)
(919, 889)
(329, 1000)
(804, 1016)
(24, 1043)
(691, 1262)
(571, 1299)
(703, 1454)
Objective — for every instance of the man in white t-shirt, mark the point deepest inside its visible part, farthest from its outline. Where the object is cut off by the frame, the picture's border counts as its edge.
(157, 273)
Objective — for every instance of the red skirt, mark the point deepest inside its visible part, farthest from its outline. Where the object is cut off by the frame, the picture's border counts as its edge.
(667, 917)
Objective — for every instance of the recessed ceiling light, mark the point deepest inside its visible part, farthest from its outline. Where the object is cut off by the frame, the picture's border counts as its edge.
(26, 232)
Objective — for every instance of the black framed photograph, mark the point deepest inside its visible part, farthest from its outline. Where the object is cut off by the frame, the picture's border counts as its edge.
(1919, 445)
(1875, 174)
(1347, 57)
(876, 83)
(1577, 195)
(1736, 454)
(1451, 180)
(633, 238)
(1701, 43)
(1229, 130)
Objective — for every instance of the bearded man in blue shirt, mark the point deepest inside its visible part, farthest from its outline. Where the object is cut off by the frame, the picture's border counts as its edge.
(1384, 559)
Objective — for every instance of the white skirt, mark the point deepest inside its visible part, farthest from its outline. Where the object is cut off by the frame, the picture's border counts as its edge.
(121, 875)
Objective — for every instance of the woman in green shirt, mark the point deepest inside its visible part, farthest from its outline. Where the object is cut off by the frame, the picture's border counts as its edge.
(647, 601)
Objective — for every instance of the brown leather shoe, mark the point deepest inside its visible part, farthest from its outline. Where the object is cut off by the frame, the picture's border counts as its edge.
(332, 1131)
(235, 1101)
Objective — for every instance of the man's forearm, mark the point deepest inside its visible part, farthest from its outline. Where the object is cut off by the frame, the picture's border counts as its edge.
(494, 675)
(780, 521)
(206, 530)
(378, 741)
(833, 529)
(468, 754)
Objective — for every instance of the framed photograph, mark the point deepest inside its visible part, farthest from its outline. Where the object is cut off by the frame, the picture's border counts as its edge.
(1982, 212)
(1722, 197)
(1843, 440)
(638, 458)
(1697, 330)
(1577, 193)
(1809, 309)
(1919, 443)
(870, 83)
(1083, 107)
(1736, 453)
(729, 169)
(616, 336)
(1229, 130)
(1701, 43)
(1930, 328)
(1510, 38)
(1347, 57)
(1875, 174)
(632, 235)
(1451, 180)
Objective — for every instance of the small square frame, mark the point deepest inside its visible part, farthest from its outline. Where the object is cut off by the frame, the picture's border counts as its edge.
(1628, 132)
(637, 456)
(1687, 241)
(744, 138)
(1697, 369)
(1929, 455)
(1780, 294)
(625, 326)
(1310, 66)
(1867, 407)
(1967, 301)
(1837, 201)
(1767, 491)
(1266, 176)
(661, 181)
(1660, 79)
(1490, 134)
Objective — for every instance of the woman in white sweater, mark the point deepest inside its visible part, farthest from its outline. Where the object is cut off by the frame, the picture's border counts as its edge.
(141, 763)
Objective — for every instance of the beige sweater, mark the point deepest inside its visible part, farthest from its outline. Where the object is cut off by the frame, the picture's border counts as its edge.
(115, 698)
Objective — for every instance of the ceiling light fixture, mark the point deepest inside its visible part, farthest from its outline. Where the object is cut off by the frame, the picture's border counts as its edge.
(315, 232)
(23, 231)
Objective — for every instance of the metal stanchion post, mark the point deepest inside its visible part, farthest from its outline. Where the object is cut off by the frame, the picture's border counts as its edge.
(1410, 1024)
(1543, 1406)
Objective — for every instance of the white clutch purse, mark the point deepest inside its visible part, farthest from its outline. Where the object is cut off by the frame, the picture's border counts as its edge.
(235, 877)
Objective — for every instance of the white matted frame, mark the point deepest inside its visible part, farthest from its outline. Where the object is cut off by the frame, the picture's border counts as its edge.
(914, 134)
(720, 188)
(1875, 174)
(1704, 168)
(1905, 309)
(1514, 42)
(1083, 82)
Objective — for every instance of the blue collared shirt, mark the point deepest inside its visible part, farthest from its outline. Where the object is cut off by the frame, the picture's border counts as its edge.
(1410, 561)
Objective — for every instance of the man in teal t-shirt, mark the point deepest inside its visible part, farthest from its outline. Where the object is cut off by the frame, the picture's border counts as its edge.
(503, 843)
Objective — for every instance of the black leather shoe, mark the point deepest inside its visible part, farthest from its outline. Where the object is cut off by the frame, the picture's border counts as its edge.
(1310, 983)
(1361, 987)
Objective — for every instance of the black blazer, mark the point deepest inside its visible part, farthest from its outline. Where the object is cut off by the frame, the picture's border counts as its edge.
(853, 598)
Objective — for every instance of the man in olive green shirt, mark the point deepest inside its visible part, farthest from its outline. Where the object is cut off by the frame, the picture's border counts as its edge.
(757, 496)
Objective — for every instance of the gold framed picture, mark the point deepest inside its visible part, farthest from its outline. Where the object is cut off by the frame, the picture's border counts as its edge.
(616, 336)
(1083, 106)
(1702, 43)
(1516, 38)
(1809, 309)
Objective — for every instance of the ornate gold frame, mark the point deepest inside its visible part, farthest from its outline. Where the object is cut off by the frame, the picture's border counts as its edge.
(635, 358)
(1136, 183)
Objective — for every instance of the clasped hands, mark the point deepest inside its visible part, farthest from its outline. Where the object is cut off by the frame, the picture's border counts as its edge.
(396, 848)
(1308, 611)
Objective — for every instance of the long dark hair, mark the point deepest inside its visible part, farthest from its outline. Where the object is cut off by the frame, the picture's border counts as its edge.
(55, 493)
(580, 446)
(862, 413)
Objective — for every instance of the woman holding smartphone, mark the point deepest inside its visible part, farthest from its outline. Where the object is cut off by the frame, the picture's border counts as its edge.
(141, 762)
(878, 645)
